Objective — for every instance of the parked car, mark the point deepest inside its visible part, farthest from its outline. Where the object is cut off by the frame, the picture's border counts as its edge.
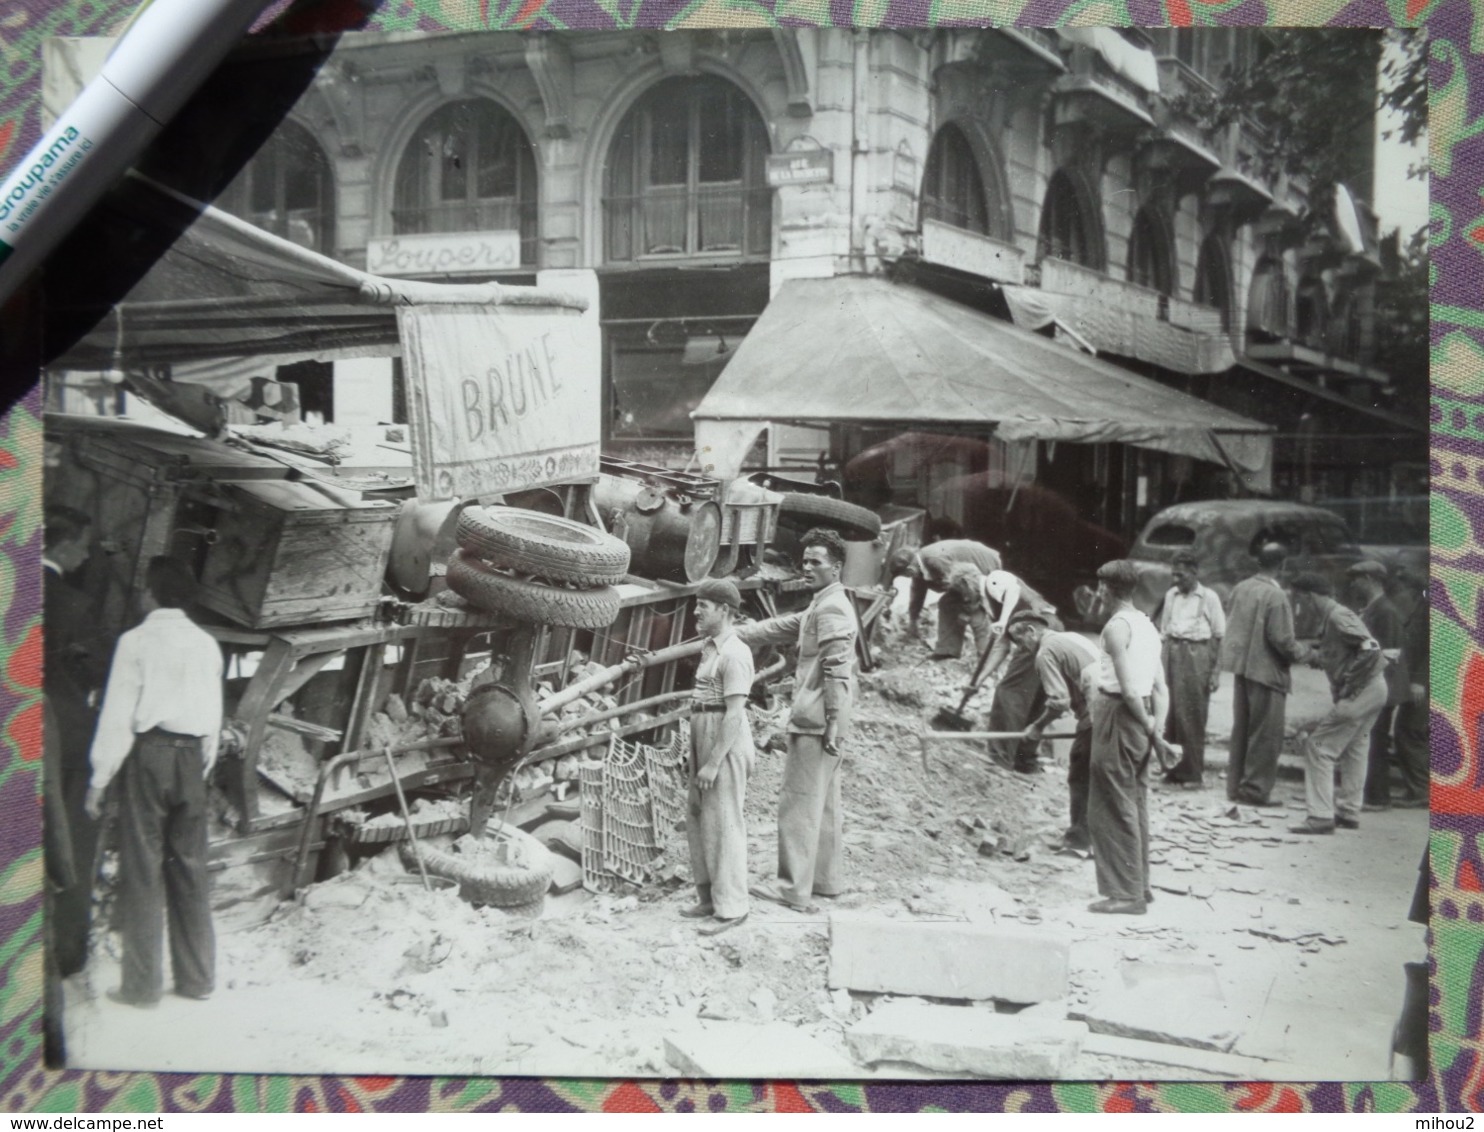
(1393, 531)
(1224, 535)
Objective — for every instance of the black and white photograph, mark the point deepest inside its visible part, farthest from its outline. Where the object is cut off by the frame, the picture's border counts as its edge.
(757, 553)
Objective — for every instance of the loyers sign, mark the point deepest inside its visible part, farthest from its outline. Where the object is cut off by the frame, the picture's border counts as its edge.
(452, 253)
(500, 398)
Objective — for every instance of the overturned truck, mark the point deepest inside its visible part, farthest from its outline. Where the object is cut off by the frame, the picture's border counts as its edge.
(403, 653)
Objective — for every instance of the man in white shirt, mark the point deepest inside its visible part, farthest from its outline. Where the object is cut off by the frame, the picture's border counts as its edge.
(1192, 623)
(157, 735)
(1128, 717)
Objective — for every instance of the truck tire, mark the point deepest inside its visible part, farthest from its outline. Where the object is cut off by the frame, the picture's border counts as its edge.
(499, 886)
(547, 546)
(801, 511)
(534, 602)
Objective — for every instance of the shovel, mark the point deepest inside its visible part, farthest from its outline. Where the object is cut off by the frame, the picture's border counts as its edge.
(953, 719)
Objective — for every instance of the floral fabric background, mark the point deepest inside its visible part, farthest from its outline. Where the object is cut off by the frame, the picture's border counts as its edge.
(1457, 998)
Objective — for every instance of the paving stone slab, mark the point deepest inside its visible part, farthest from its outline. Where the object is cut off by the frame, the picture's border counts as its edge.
(746, 1051)
(967, 1039)
(947, 960)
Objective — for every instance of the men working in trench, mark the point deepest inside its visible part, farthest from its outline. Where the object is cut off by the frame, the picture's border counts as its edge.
(811, 854)
(722, 756)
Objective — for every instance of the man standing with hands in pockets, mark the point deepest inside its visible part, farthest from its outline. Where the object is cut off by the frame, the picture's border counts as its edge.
(721, 755)
(809, 817)
(157, 736)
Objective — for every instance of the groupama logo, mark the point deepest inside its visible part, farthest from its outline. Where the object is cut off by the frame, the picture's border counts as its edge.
(35, 176)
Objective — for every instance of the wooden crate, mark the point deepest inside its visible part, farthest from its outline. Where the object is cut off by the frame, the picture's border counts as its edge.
(287, 553)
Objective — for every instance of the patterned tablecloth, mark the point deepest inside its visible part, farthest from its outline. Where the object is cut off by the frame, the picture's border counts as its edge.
(1457, 1016)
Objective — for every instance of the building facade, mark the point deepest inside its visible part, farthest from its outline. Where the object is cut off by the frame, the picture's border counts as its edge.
(1046, 176)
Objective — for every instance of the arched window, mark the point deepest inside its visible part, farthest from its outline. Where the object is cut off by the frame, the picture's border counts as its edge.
(287, 189)
(469, 168)
(952, 189)
(1069, 224)
(1150, 263)
(1213, 286)
(1267, 303)
(1311, 313)
(686, 175)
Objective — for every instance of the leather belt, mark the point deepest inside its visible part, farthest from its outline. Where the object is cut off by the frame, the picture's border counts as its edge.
(698, 706)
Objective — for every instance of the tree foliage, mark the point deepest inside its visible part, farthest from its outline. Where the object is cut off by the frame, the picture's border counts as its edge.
(1309, 93)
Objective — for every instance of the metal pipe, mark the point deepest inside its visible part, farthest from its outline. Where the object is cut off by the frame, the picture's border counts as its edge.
(417, 853)
(608, 675)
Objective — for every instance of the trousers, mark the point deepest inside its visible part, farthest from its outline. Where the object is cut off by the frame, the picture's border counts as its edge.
(162, 867)
(1412, 722)
(1342, 738)
(1188, 669)
(1079, 775)
(810, 821)
(1378, 762)
(1018, 699)
(1118, 801)
(715, 827)
(1257, 738)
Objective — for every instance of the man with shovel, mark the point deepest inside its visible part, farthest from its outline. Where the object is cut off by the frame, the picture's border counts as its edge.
(810, 822)
(1018, 698)
(1065, 666)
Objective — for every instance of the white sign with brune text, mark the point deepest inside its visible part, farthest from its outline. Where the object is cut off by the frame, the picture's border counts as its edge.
(500, 399)
(445, 253)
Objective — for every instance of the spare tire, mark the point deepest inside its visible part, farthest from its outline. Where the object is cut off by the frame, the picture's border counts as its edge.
(523, 600)
(547, 546)
(801, 510)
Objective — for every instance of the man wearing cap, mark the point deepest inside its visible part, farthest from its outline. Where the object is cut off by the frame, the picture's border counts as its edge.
(721, 756)
(1352, 660)
(1066, 664)
(1259, 648)
(929, 568)
(1379, 613)
(811, 854)
(1018, 697)
(1192, 623)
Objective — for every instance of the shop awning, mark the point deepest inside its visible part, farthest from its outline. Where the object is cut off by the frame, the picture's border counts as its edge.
(864, 350)
(226, 300)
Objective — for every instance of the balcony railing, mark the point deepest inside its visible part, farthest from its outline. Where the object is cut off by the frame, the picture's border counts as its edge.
(1060, 277)
(673, 221)
(500, 214)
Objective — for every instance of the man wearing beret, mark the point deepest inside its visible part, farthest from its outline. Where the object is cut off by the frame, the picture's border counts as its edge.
(721, 756)
(1368, 584)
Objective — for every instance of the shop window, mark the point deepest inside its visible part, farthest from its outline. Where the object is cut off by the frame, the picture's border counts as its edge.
(686, 176)
(469, 168)
(1267, 303)
(953, 189)
(656, 383)
(1150, 263)
(287, 189)
(1213, 280)
(1070, 227)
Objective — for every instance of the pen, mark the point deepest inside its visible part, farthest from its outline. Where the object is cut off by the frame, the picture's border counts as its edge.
(166, 52)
